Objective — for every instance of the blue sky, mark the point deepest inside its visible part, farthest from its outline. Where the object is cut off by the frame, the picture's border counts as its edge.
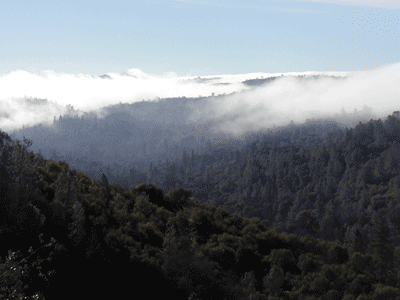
(198, 37)
(53, 50)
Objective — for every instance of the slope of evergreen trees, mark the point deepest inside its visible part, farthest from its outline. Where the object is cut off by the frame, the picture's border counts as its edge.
(292, 220)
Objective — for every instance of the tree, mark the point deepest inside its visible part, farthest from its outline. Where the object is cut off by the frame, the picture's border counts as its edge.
(178, 197)
(155, 194)
(143, 205)
(380, 134)
(306, 222)
(182, 264)
(283, 209)
(331, 227)
(274, 280)
(11, 272)
(392, 125)
(103, 183)
(383, 248)
(6, 183)
(357, 242)
(334, 172)
(185, 158)
(67, 195)
(249, 283)
(18, 189)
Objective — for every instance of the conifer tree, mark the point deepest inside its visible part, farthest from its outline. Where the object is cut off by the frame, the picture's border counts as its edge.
(67, 194)
(5, 186)
(104, 183)
(383, 248)
(181, 264)
(248, 281)
(357, 242)
(17, 185)
(274, 280)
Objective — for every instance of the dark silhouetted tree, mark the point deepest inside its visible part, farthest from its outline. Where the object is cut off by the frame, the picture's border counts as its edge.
(67, 195)
(358, 244)
(383, 248)
(274, 280)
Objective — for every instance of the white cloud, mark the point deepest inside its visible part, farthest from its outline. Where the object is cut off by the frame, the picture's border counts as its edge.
(362, 96)
(89, 93)
(374, 94)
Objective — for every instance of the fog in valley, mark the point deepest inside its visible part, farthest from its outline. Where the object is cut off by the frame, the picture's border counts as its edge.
(127, 120)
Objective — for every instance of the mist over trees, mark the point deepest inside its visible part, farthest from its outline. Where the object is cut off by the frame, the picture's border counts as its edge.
(128, 140)
(291, 221)
(306, 212)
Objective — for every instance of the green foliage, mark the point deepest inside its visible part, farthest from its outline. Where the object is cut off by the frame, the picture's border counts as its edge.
(274, 281)
(384, 249)
(143, 205)
(384, 292)
(307, 221)
(7, 205)
(178, 197)
(281, 257)
(201, 250)
(358, 243)
(337, 255)
(181, 261)
(309, 263)
(155, 194)
(361, 263)
(12, 272)
(361, 284)
(248, 282)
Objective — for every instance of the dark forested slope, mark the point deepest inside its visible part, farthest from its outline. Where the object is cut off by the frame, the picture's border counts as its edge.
(350, 176)
(339, 199)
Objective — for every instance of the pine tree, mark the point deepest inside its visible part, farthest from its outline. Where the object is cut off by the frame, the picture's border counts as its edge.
(274, 280)
(67, 194)
(107, 193)
(18, 185)
(249, 282)
(383, 248)
(6, 183)
(357, 242)
(181, 264)
(331, 226)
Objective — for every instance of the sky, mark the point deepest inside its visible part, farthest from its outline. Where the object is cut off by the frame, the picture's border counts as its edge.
(57, 50)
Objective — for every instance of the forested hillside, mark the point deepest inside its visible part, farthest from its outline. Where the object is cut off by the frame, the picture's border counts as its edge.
(281, 219)
(348, 176)
(124, 140)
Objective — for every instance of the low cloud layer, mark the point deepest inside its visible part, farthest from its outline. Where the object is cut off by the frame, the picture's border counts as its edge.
(361, 96)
